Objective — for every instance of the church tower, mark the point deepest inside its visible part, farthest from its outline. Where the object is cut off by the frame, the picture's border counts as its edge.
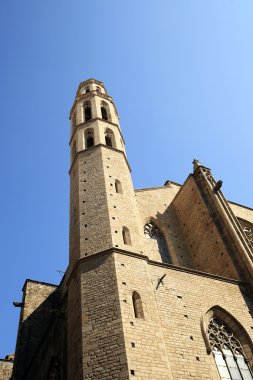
(105, 278)
(103, 212)
(159, 282)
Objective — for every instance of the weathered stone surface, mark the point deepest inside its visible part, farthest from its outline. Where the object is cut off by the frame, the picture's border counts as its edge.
(88, 327)
(6, 367)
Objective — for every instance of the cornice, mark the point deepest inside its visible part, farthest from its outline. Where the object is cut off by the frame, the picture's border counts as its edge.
(87, 81)
(164, 187)
(88, 95)
(173, 267)
(87, 123)
(95, 147)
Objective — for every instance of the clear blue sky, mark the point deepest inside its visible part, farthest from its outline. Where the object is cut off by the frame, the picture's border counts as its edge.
(181, 74)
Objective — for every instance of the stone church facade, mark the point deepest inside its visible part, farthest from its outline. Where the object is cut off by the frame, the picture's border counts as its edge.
(159, 283)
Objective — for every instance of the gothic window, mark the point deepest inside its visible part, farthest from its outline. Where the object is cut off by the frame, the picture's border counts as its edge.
(137, 305)
(151, 231)
(109, 138)
(104, 113)
(118, 186)
(228, 353)
(248, 230)
(87, 111)
(126, 236)
(87, 89)
(89, 138)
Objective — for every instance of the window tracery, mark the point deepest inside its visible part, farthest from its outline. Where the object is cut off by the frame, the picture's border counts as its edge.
(151, 231)
(230, 359)
(248, 230)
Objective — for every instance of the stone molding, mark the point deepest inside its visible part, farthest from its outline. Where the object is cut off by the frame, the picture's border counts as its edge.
(155, 263)
(96, 146)
(87, 123)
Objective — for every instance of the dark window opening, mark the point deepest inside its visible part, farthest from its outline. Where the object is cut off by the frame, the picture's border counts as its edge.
(108, 141)
(104, 113)
(87, 113)
(89, 141)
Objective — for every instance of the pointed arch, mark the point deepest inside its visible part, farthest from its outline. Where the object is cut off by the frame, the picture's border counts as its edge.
(118, 187)
(109, 138)
(126, 236)
(105, 111)
(216, 316)
(151, 231)
(87, 112)
(137, 305)
(89, 138)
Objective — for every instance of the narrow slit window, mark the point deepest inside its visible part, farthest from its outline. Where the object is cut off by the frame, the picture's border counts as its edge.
(137, 305)
(118, 186)
(126, 236)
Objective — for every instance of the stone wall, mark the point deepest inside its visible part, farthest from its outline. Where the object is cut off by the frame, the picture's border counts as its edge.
(155, 204)
(6, 367)
(104, 355)
(169, 343)
(39, 303)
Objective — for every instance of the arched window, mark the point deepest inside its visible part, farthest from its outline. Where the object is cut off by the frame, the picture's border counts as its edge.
(228, 353)
(109, 138)
(118, 186)
(104, 113)
(98, 89)
(87, 111)
(89, 138)
(126, 236)
(73, 151)
(151, 231)
(87, 89)
(137, 305)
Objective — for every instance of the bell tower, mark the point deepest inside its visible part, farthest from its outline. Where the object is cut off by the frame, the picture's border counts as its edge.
(103, 210)
(104, 217)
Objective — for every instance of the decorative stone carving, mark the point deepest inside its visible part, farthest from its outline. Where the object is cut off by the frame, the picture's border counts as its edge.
(248, 230)
(222, 337)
